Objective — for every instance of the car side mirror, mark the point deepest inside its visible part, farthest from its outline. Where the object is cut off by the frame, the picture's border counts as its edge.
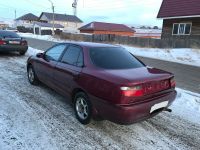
(40, 55)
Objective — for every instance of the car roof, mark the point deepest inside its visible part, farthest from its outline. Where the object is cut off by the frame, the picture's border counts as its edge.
(91, 44)
(5, 33)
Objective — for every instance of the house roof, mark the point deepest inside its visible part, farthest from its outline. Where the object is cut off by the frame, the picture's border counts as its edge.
(28, 16)
(101, 26)
(179, 8)
(61, 17)
(48, 25)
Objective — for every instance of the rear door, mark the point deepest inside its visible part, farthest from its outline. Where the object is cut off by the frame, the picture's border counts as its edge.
(45, 66)
(66, 73)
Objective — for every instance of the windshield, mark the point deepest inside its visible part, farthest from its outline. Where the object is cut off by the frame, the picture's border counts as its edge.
(8, 34)
(113, 58)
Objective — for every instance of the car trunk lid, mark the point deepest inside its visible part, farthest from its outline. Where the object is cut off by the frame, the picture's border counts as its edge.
(142, 81)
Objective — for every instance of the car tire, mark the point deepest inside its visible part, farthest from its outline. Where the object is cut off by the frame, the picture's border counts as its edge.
(22, 53)
(32, 78)
(82, 108)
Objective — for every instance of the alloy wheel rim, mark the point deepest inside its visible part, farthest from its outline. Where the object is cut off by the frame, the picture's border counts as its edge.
(82, 108)
(31, 74)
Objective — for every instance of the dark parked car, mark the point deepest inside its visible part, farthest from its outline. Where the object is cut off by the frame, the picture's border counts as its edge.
(11, 41)
(103, 81)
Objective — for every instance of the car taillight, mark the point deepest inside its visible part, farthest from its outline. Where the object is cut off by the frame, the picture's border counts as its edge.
(172, 82)
(134, 91)
(2, 42)
(24, 43)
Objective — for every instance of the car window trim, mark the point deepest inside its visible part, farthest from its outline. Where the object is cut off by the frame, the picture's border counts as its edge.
(81, 50)
(138, 59)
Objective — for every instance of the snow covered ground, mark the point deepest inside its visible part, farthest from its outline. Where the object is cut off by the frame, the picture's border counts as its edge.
(179, 55)
(36, 117)
(187, 105)
(182, 55)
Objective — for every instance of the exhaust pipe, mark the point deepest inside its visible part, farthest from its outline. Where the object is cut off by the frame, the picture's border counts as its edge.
(168, 110)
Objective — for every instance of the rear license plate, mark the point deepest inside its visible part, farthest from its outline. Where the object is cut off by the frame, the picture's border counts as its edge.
(159, 106)
(14, 42)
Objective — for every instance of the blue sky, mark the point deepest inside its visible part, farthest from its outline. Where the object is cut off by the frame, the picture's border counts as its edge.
(134, 12)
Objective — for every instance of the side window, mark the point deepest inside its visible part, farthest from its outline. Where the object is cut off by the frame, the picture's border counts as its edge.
(73, 56)
(182, 28)
(175, 28)
(55, 52)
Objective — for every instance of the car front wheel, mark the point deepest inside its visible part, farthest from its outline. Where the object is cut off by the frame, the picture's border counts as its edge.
(32, 76)
(83, 108)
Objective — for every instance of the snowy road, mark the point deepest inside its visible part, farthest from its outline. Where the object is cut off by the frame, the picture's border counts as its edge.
(36, 117)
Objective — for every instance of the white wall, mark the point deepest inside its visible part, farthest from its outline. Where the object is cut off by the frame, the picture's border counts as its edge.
(26, 24)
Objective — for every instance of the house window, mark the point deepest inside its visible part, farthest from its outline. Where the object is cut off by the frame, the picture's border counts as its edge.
(182, 28)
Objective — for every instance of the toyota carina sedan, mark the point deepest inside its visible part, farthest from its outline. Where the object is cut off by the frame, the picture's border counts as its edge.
(103, 81)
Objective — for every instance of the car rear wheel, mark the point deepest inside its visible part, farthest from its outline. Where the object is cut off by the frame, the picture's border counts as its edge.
(83, 108)
(32, 76)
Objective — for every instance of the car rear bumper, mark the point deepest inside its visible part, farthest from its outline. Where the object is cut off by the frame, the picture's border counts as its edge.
(128, 114)
(12, 48)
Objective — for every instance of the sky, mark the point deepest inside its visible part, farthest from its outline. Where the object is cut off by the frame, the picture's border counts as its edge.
(131, 12)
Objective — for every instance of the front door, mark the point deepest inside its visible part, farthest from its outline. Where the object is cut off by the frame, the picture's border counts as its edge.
(66, 73)
(46, 65)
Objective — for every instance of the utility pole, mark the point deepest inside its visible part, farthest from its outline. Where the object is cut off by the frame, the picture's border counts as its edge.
(15, 14)
(74, 5)
(53, 16)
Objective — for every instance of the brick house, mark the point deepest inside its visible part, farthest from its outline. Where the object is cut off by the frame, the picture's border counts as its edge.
(71, 23)
(107, 28)
(181, 19)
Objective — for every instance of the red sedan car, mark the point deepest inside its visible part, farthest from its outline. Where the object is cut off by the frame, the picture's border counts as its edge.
(103, 81)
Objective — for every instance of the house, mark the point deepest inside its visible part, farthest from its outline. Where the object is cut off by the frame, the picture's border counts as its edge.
(26, 20)
(181, 19)
(107, 28)
(46, 28)
(71, 23)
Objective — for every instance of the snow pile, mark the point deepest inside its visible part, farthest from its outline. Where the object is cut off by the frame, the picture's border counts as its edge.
(42, 37)
(148, 31)
(32, 51)
(182, 55)
(187, 105)
(153, 33)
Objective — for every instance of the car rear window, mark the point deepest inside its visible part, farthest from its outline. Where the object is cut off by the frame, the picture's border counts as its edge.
(113, 58)
(8, 34)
